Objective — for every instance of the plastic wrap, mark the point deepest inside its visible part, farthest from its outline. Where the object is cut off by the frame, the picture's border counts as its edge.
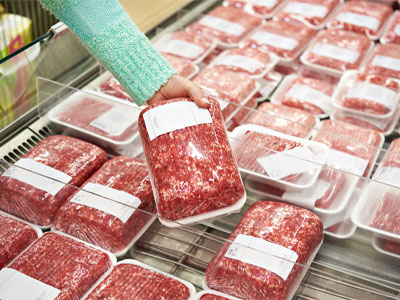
(392, 34)
(15, 236)
(389, 168)
(386, 247)
(267, 85)
(113, 88)
(387, 215)
(288, 120)
(296, 229)
(104, 212)
(261, 8)
(193, 171)
(68, 268)
(241, 115)
(318, 75)
(213, 295)
(285, 38)
(122, 283)
(362, 17)
(226, 24)
(385, 61)
(184, 67)
(29, 189)
(288, 68)
(210, 57)
(392, 247)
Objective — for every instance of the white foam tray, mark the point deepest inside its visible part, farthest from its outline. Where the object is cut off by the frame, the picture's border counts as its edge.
(378, 245)
(345, 230)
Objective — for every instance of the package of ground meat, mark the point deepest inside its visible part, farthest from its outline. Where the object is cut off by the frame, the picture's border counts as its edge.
(285, 119)
(321, 76)
(248, 61)
(15, 237)
(194, 173)
(262, 8)
(112, 87)
(242, 114)
(267, 85)
(186, 45)
(36, 186)
(313, 13)
(310, 95)
(385, 60)
(258, 260)
(336, 51)
(184, 67)
(387, 215)
(389, 168)
(110, 210)
(286, 38)
(228, 25)
(213, 295)
(121, 283)
(341, 230)
(54, 267)
(288, 68)
(227, 87)
(387, 247)
(392, 33)
(350, 145)
(366, 94)
(362, 17)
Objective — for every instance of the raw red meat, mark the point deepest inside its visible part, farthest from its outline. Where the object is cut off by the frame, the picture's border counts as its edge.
(284, 69)
(388, 214)
(310, 12)
(15, 236)
(255, 7)
(362, 123)
(289, 226)
(182, 66)
(112, 87)
(385, 61)
(212, 297)
(362, 17)
(226, 24)
(100, 227)
(392, 35)
(213, 55)
(129, 281)
(392, 247)
(310, 73)
(241, 115)
(193, 169)
(76, 158)
(63, 263)
(392, 157)
(284, 119)
(339, 50)
(285, 38)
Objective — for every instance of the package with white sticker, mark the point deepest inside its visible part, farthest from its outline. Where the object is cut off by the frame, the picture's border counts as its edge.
(335, 52)
(385, 61)
(359, 20)
(263, 8)
(275, 40)
(392, 33)
(338, 159)
(307, 94)
(389, 168)
(226, 26)
(390, 175)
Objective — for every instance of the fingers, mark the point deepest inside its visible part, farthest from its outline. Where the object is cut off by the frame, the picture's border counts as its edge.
(197, 95)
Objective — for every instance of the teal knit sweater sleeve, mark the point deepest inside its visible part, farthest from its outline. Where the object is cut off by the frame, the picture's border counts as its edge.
(109, 34)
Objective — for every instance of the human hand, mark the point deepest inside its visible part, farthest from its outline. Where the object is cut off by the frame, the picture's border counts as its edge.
(178, 86)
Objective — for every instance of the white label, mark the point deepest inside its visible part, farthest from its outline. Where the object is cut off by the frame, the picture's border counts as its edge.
(359, 20)
(389, 175)
(174, 116)
(386, 62)
(305, 93)
(373, 92)
(15, 285)
(263, 254)
(119, 204)
(116, 120)
(265, 3)
(249, 64)
(38, 175)
(309, 10)
(223, 25)
(397, 29)
(181, 48)
(275, 40)
(338, 158)
(295, 161)
(335, 52)
(308, 197)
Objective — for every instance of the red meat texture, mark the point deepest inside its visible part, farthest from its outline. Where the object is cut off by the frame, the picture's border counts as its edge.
(392, 247)
(287, 69)
(309, 19)
(15, 237)
(297, 31)
(128, 281)
(319, 85)
(380, 12)
(392, 157)
(391, 35)
(366, 105)
(231, 14)
(183, 67)
(241, 115)
(351, 139)
(326, 78)
(292, 227)
(388, 214)
(212, 297)
(213, 55)
(288, 120)
(257, 9)
(99, 227)
(112, 87)
(388, 51)
(74, 157)
(63, 263)
(357, 122)
(193, 170)
(228, 86)
(343, 39)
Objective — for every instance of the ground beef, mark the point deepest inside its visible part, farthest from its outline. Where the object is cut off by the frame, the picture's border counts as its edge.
(392, 34)
(268, 84)
(287, 69)
(339, 50)
(392, 157)
(63, 263)
(15, 236)
(213, 55)
(392, 247)
(318, 75)
(385, 61)
(100, 227)
(193, 169)
(289, 226)
(112, 87)
(388, 214)
(182, 66)
(241, 115)
(129, 281)
(256, 8)
(362, 17)
(284, 119)
(285, 38)
(226, 24)
(363, 121)
(76, 158)
(212, 297)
